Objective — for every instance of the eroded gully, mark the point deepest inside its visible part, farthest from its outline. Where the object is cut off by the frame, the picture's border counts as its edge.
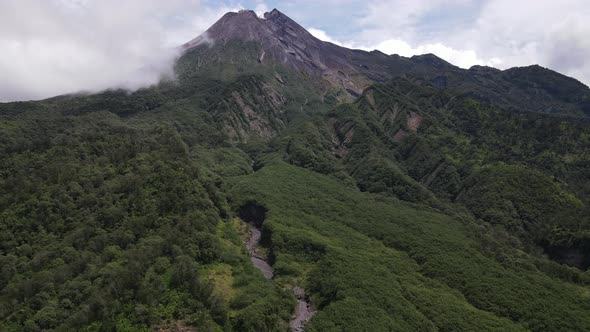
(304, 310)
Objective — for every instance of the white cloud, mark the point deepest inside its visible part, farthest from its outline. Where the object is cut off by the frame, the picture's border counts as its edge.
(54, 47)
(322, 35)
(503, 33)
(550, 33)
(260, 9)
(458, 57)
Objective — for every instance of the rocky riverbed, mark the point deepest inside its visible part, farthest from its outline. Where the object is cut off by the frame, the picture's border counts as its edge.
(260, 260)
(304, 310)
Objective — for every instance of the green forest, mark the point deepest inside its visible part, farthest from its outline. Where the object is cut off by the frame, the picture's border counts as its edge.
(411, 207)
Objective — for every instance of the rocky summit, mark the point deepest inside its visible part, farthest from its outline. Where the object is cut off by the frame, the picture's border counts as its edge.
(284, 183)
(285, 42)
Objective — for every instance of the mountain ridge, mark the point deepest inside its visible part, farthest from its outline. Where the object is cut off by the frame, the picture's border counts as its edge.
(285, 42)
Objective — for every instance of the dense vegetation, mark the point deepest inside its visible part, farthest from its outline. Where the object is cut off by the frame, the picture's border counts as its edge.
(417, 207)
(400, 266)
(113, 224)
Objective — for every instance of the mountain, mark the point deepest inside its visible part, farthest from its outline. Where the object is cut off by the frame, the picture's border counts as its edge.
(282, 182)
(282, 41)
(285, 42)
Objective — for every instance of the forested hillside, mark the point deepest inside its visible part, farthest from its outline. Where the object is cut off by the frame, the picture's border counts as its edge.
(425, 198)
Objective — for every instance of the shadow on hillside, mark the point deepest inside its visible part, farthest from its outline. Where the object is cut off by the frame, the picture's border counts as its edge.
(253, 213)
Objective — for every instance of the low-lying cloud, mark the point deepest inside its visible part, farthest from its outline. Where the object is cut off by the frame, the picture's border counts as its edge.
(54, 47)
(459, 57)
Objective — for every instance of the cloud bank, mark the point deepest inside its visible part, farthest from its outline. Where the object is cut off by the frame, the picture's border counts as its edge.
(54, 47)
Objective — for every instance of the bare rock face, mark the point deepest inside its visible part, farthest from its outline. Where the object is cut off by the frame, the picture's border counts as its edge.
(283, 41)
(244, 25)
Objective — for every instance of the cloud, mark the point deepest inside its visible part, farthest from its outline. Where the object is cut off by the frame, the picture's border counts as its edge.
(261, 8)
(55, 47)
(502, 33)
(322, 35)
(551, 33)
(458, 57)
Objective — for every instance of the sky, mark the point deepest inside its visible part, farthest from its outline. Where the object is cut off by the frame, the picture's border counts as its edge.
(52, 47)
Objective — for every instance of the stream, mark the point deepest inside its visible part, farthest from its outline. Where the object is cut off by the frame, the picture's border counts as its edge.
(304, 310)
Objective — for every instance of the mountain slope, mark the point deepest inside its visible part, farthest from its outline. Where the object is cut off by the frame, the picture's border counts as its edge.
(280, 40)
(396, 263)
(283, 41)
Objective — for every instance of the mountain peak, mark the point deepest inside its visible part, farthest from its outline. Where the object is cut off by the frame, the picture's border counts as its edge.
(246, 25)
(278, 17)
(283, 24)
(431, 60)
(273, 13)
(280, 38)
(283, 41)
